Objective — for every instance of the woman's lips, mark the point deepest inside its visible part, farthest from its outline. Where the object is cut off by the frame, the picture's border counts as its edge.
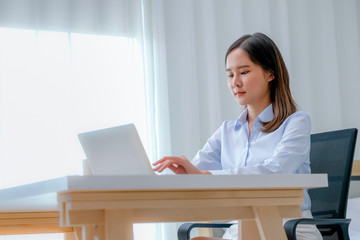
(239, 93)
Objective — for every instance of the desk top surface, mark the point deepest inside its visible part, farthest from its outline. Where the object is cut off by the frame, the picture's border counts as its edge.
(42, 196)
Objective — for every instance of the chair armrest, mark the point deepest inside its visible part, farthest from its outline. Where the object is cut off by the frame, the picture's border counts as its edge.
(185, 229)
(290, 226)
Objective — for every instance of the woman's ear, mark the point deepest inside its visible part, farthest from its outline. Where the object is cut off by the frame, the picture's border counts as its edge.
(270, 76)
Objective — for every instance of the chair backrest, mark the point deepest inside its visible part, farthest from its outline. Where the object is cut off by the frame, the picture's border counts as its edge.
(332, 153)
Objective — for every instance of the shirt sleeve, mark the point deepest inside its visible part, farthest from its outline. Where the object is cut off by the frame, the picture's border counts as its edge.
(290, 153)
(209, 157)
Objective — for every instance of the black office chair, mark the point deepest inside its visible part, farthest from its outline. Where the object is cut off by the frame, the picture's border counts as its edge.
(331, 153)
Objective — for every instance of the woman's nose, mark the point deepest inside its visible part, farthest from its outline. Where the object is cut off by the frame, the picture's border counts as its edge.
(236, 81)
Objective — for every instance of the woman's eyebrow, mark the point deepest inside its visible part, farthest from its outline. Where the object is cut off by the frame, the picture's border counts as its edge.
(239, 67)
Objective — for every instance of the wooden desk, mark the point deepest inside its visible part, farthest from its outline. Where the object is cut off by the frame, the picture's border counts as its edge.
(31, 209)
(355, 174)
(107, 206)
(31, 223)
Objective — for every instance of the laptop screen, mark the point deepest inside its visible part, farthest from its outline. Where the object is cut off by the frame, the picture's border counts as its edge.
(115, 151)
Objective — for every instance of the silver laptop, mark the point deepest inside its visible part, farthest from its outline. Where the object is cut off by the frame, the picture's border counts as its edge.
(115, 151)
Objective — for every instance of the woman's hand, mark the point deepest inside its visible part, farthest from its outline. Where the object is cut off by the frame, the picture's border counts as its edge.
(179, 165)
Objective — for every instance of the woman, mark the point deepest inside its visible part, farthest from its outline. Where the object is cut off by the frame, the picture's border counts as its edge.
(270, 135)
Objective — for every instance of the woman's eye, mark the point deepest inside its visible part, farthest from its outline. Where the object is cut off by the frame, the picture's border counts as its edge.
(245, 72)
(230, 76)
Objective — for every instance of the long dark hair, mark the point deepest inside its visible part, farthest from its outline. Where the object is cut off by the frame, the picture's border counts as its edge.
(264, 52)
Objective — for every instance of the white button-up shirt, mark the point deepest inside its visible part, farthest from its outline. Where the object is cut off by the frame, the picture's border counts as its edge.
(286, 150)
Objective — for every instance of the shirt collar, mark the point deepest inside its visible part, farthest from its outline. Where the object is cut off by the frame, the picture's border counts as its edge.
(265, 116)
(241, 119)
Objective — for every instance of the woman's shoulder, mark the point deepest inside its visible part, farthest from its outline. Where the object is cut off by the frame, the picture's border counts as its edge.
(299, 119)
(298, 115)
(227, 126)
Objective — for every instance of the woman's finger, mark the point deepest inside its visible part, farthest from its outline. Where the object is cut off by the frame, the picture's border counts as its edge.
(159, 161)
(164, 159)
(179, 165)
(162, 166)
(178, 169)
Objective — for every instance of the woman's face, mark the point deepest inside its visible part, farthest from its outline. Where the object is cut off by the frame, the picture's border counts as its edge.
(247, 81)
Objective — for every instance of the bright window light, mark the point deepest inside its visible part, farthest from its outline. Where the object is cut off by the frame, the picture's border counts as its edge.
(54, 85)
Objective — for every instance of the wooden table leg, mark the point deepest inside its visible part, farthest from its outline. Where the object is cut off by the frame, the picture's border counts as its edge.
(269, 223)
(118, 225)
(100, 232)
(248, 230)
(69, 236)
(78, 233)
(88, 232)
